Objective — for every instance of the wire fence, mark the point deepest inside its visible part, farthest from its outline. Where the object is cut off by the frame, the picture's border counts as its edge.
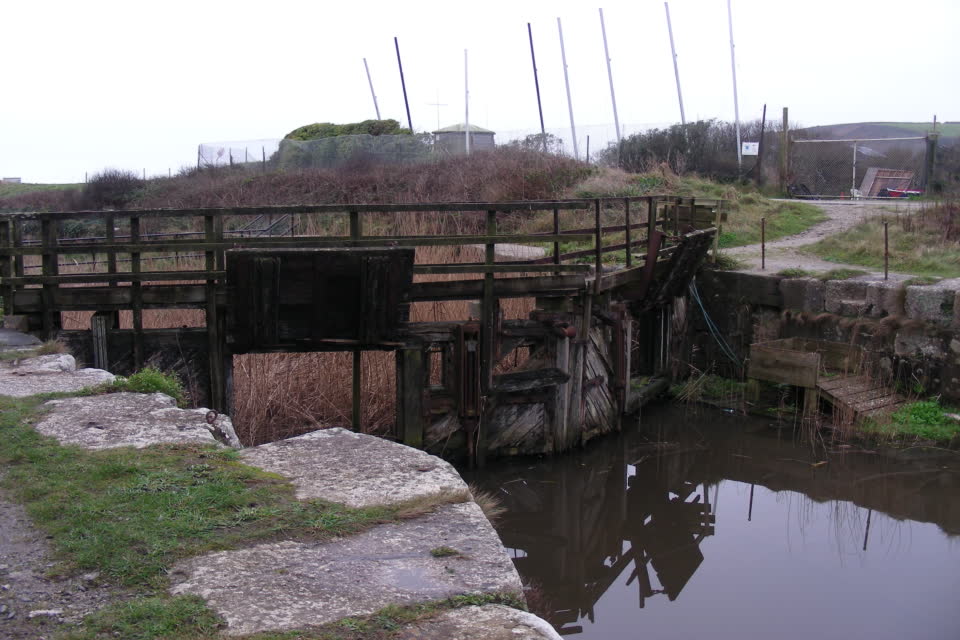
(339, 151)
(868, 168)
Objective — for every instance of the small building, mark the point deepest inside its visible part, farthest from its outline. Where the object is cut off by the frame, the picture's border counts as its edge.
(452, 139)
(9, 180)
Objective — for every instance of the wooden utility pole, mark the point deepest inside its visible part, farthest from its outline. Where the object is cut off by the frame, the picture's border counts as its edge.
(784, 152)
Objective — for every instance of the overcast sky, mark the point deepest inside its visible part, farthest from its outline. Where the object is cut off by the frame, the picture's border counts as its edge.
(138, 84)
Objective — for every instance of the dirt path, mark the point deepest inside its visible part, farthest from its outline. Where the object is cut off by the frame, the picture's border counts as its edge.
(841, 215)
(33, 604)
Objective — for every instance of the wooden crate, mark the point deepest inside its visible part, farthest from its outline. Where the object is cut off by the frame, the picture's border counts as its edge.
(285, 298)
(799, 361)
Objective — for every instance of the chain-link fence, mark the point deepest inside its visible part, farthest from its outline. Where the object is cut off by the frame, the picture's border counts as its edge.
(323, 153)
(868, 168)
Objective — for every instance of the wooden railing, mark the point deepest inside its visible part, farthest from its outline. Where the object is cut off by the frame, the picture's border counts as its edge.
(85, 272)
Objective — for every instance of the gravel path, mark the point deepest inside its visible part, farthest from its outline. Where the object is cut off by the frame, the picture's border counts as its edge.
(841, 215)
(32, 604)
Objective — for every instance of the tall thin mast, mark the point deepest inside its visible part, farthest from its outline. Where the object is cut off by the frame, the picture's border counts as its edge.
(736, 106)
(566, 79)
(466, 104)
(376, 107)
(676, 70)
(536, 82)
(403, 83)
(613, 96)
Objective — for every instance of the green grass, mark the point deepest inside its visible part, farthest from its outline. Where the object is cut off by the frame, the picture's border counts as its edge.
(17, 189)
(149, 380)
(783, 219)
(444, 552)
(925, 420)
(841, 274)
(915, 247)
(796, 272)
(131, 513)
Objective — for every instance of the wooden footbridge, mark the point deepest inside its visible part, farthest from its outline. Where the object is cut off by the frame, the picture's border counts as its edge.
(344, 277)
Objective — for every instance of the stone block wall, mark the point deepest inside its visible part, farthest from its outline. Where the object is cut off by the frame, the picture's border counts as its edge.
(910, 333)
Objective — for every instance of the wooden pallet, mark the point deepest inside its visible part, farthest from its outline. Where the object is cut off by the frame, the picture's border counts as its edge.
(859, 396)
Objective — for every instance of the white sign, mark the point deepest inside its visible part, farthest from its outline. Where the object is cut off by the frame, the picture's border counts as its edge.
(750, 148)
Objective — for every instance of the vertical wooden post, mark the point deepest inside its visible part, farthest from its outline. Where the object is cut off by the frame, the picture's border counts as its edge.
(651, 219)
(6, 241)
(18, 270)
(51, 267)
(215, 349)
(556, 232)
(356, 225)
(357, 363)
(930, 160)
(597, 247)
(886, 250)
(488, 339)
(410, 381)
(100, 325)
(110, 235)
(718, 223)
(487, 311)
(784, 153)
(626, 214)
(136, 295)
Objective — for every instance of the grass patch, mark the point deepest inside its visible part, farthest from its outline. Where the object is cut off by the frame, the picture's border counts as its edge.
(149, 380)
(726, 262)
(796, 272)
(131, 513)
(924, 420)
(923, 243)
(444, 552)
(149, 618)
(841, 274)
(782, 219)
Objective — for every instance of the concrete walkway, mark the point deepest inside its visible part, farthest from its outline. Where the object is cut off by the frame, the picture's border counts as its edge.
(287, 585)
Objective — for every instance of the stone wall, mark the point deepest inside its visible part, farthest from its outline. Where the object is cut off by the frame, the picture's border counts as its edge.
(908, 332)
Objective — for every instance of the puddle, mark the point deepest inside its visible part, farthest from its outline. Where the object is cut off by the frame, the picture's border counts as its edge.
(732, 530)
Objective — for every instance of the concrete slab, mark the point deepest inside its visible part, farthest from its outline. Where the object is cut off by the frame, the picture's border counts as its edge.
(129, 420)
(295, 585)
(13, 338)
(885, 298)
(46, 374)
(933, 303)
(841, 293)
(489, 622)
(355, 469)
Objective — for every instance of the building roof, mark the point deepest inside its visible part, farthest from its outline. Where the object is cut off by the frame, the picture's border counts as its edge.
(461, 128)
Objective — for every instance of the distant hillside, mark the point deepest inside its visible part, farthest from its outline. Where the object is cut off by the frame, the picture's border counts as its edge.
(881, 130)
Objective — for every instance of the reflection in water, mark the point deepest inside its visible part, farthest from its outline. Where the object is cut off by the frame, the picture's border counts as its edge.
(631, 518)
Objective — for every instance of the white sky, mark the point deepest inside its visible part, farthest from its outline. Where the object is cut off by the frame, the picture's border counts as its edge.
(139, 83)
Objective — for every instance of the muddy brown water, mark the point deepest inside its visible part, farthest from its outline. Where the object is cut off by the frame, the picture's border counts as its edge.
(730, 528)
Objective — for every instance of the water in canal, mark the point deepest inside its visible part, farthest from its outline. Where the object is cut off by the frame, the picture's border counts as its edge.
(729, 528)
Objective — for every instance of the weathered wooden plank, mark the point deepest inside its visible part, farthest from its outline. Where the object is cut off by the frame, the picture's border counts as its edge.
(297, 242)
(530, 380)
(502, 288)
(782, 366)
(143, 276)
(500, 268)
(411, 379)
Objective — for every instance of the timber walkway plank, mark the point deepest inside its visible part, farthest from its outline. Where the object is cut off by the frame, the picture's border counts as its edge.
(859, 396)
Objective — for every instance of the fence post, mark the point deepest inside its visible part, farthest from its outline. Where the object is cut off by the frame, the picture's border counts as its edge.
(930, 159)
(784, 151)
